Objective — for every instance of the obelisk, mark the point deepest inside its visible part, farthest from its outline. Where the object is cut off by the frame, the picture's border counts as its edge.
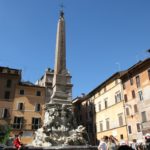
(59, 127)
(62, 87)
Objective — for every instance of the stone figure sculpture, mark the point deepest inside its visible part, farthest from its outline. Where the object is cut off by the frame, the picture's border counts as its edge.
(60, 128)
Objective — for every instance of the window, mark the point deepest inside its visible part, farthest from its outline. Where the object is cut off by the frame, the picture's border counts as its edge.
(18, 123)
(90, 128)
(143, 115)
(117, 97)
(38, 93)
(101, 126)
(79, 107)
(3, 113)
(127, 111)
(133, 94)
(129, 129)
(105, 103)
(135, 108)
(37, 107)
(104, 88)
(99, 106)
(7, 95)
(121, 136)
(20, 106)
(125, 97)
(116, 81)
(149, 74)
(97, 127)
(21, 92)
(140, 95)
(120, 118)
(36, 123)
(124, 86)
(138, 84)
(86, 104)
(107, 124)
(90, 114)
(96, 107)
(138, 125)
(8, 84)
(131, 81)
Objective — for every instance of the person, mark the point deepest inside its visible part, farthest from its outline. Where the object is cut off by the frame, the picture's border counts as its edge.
(147, 141)
(122, 142)
(134, 145)
(17, 141)
(111, 143)
(103, 143)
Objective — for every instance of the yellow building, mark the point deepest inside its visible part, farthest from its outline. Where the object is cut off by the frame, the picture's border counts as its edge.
(103, 109)
(122, 105)
(109, 107)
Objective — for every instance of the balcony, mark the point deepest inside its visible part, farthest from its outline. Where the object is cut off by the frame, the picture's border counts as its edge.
(17, 126)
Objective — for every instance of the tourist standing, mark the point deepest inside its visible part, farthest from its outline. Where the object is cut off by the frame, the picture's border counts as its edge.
(147, 141)
(111, 143)
(122, 142)
(134, 145)
(103, 143)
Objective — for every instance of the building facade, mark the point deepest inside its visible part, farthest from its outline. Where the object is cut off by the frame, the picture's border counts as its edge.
(9, 78)
(109, 107)
(136, 88)
(47, 80)
(84, 112)
(102, 110)
(28, 110)
(21, 103)
(121, 104)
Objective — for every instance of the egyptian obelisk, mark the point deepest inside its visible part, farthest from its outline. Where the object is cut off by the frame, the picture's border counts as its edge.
(62, 87)
(59, 126)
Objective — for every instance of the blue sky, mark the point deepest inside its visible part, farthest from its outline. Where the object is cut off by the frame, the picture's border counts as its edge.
(103, 36)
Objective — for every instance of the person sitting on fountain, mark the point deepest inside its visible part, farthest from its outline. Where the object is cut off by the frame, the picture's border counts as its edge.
(17, 142)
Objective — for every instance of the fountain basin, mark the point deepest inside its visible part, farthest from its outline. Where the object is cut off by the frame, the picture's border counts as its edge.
(56, 148)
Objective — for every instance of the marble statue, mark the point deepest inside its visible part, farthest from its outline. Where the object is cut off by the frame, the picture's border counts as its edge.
(59, 128)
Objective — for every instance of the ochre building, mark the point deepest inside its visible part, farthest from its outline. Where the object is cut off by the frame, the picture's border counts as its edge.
(21, 104)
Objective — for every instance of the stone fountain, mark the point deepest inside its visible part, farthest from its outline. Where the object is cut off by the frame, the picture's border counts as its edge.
(60, 130)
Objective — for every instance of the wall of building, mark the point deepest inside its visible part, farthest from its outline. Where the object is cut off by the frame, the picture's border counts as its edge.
(9, 78)
(136, 127)
(111, 113)
(29, 100)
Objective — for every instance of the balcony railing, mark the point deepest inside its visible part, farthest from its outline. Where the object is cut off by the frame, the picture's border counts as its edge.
(19, 126)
